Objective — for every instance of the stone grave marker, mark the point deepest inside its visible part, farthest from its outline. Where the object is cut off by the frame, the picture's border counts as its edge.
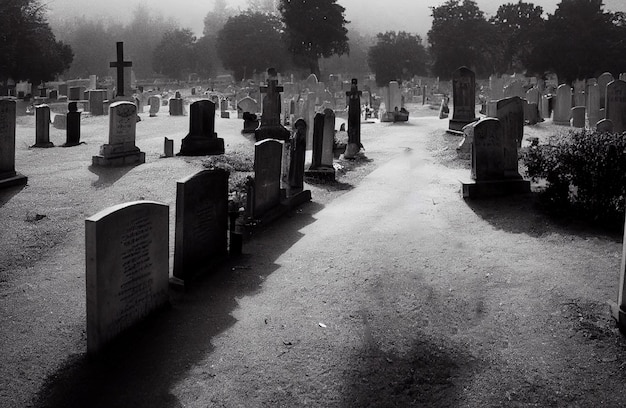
(246, 104)
(593, 104)
(176, 107)
(320, 169)
(8, 176)
(63, 89)
(270, 127)
(354, 121)
(463, 99)
(168, 147)
(201, 222)
(72, 128)
(578, 116)
(615, 104)
(123, 83)
(127, 265)
(545, 107)
(297, 155)
(202, 139)
(603, 81)
(605, 125)
(42, 126)
(121, 149)
(155, 104)
(96, 101)
(59, 121)
(76, 93)
(563, 106)
(510, 112)
(268, 155)
(579, 92)
(224, 114)
(250, 122)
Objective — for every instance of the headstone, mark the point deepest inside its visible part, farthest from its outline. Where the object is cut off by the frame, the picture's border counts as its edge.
(76, 93)
(168, 147)
(201, 222)
(127, 263)
(579, 92)
(578, 116)
(268, 155)
(603, 81)
(318, 168)
(510, 112)
(42, 126)
(250, 122)
(545, 107)
(93, 81)
(8, 176)
(297, 157)
(96, 102)
(531, 113)
(496, 86)
(176, 107)
(308, 108)
(463, 99)
(202, 139)
(593, 104)
(123, 83)
(605, 125)
(515, 88)
(354, 121)
(246, 104)
(72, 132)
(616, 104)
(155, 104)
(53, 95)
(563, 108)
(271, 127)
(464, 149)
(121, 149)
(63, 89)
(59, 122)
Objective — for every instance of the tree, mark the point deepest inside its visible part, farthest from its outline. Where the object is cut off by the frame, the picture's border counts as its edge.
(314, 29)
(174, 55)
(580, 40)
(251, 42)
(518, 27)
(460, 35)
(353, 65)
(28, 48)
(397, 56)
(263, 6)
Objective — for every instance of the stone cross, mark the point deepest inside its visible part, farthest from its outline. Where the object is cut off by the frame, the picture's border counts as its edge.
(271, 102)
(120, 64)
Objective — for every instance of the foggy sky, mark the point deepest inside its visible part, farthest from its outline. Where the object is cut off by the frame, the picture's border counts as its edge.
(366, 16)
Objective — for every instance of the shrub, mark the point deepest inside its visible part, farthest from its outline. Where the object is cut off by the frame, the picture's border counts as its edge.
(585, 172)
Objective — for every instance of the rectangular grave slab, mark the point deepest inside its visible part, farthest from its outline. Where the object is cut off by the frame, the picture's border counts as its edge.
(268, 156)
(8, 176)
(127, 265)
(121, 149)
(201, 139)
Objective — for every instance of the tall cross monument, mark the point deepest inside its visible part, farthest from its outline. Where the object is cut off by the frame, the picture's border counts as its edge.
(120, 64)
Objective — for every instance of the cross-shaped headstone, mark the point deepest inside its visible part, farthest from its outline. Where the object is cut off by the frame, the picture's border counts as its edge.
(120, 64)
(271, 103)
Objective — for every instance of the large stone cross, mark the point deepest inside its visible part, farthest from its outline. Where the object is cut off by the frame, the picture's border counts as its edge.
(120, 64)
(271, 103)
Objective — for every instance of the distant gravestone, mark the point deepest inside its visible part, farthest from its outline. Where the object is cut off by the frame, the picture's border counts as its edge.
(354, 121)
(246, 104)
(297, 158)
(267, 170)
(155, 104)
(605, 125)
(53, 95)
(59, 122)
(63, 89)
(176, 107)
(563, 107)
(250, 122)
(515, 88)
(127, 264)
(270, 127)
(545, 107)
(42, 126)
(593, 104)
(72, 128)
(579, 92)
(202, 139)
(96, 102)
(224, 114)
(603, 81)
(308, 113)
(75, 93)
(463, 99)
(321, 162)
(531, 113)
(121, 149)
(168, 147)
(8, 176)
(123, 71)
(616, 104)
(201, 222)
(578, 116)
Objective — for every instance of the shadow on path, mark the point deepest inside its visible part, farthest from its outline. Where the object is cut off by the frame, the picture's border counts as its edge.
(7, 194)
(107, 176)
(142, 367)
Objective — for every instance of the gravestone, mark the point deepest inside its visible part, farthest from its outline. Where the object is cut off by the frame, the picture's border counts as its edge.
(42, 126)
(63, 89)
(270, 127)
(308, 108)
(616, 104)
(320, 169)
(53, 95)
(295, 178)
(168, 147)
(72, 128)
(579, 92)
(246, 104)
(127, 268)
(510, 113)
(603, 81)
(496, 86)
(515, 88)
(8, 176)
(123, 83)
(250, 122)
(224, 114)
(96, 102)
(531, 112)
(76, 93)
(268, 155)
(563, 107)
(59, 122)
(354, 121)
(155, 104)
(176, 107)
(578, 116)
(202, 139)
(593, 104)
(201, 222)
(489, 173)
(463, 99)
(605, 125)
(121, 149)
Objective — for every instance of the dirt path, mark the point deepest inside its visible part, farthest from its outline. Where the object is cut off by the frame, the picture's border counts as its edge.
(392, 291)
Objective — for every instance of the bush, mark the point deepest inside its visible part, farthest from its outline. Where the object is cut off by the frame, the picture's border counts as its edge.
(585, 172)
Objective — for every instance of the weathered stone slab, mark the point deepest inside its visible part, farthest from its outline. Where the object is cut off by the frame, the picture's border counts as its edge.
(268, 155)
(121, 149)
(8, 176)
(202, 139)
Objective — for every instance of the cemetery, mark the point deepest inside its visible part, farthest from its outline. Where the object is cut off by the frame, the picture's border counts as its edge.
(312, 238)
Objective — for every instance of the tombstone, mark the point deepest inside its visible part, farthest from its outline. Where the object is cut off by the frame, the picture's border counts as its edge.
(75, 93)
(63, 89)
(578, 116)
(250, 122)
(533, 96)
(579, 92)
(312, 83)
(246, 104)
(488, 163)
(444, 109)
(308, 112)
(510, 113)
(354, 121)
(176, 107)
(201, 222)
(615, 105)
(96, 102)
(563, 108)
(155, 104)
(320, 169)
(603, 81)
(593, 104)
(53, 95)
(463, 99)
(464, 149)
(127, 268)
(123, 83)
(531, 112)
(168, 147)
(545, 107)
(202, 139)
(42, 126)
(93, 81)
(72, 129)
(496, 86)
(270, 127)
(295, 178)
(121, 149)
(268, 155)
(605, 125)
(59, 122)
(8, 176)
(515, 88)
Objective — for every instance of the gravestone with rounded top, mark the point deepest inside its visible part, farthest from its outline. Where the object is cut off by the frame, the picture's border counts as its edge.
(127, 268)
(593, 104)
(246, 104)
(8, 176)
(202, 139)
(605, 125)
(463, 99)
(615, 104)
(121, 149)
(603, 81)
(563, 107)
(155, 105)
(578, 116)
(268, 156)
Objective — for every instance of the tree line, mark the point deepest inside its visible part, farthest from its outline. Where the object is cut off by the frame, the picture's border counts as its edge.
(580, 39)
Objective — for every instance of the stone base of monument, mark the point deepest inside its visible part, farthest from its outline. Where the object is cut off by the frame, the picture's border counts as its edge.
(250, 126)
(287, 203)
(118, 155)
(12, 179)
(387, 117)
(456, 126)
(44, 145)
(619, 315)
(225, 115)
(201, 146)
(271, 132)
(561, 123)
(352, 149)
(321, 173)
(494, 188)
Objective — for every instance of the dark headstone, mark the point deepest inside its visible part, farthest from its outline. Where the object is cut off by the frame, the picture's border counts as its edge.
(297, 156)
(463, 99)
(267, 173)
(72, 127)
(202, 139)
(354, 121)
(615, 104)
(8, 176)
(42, 126)
(270, 127)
